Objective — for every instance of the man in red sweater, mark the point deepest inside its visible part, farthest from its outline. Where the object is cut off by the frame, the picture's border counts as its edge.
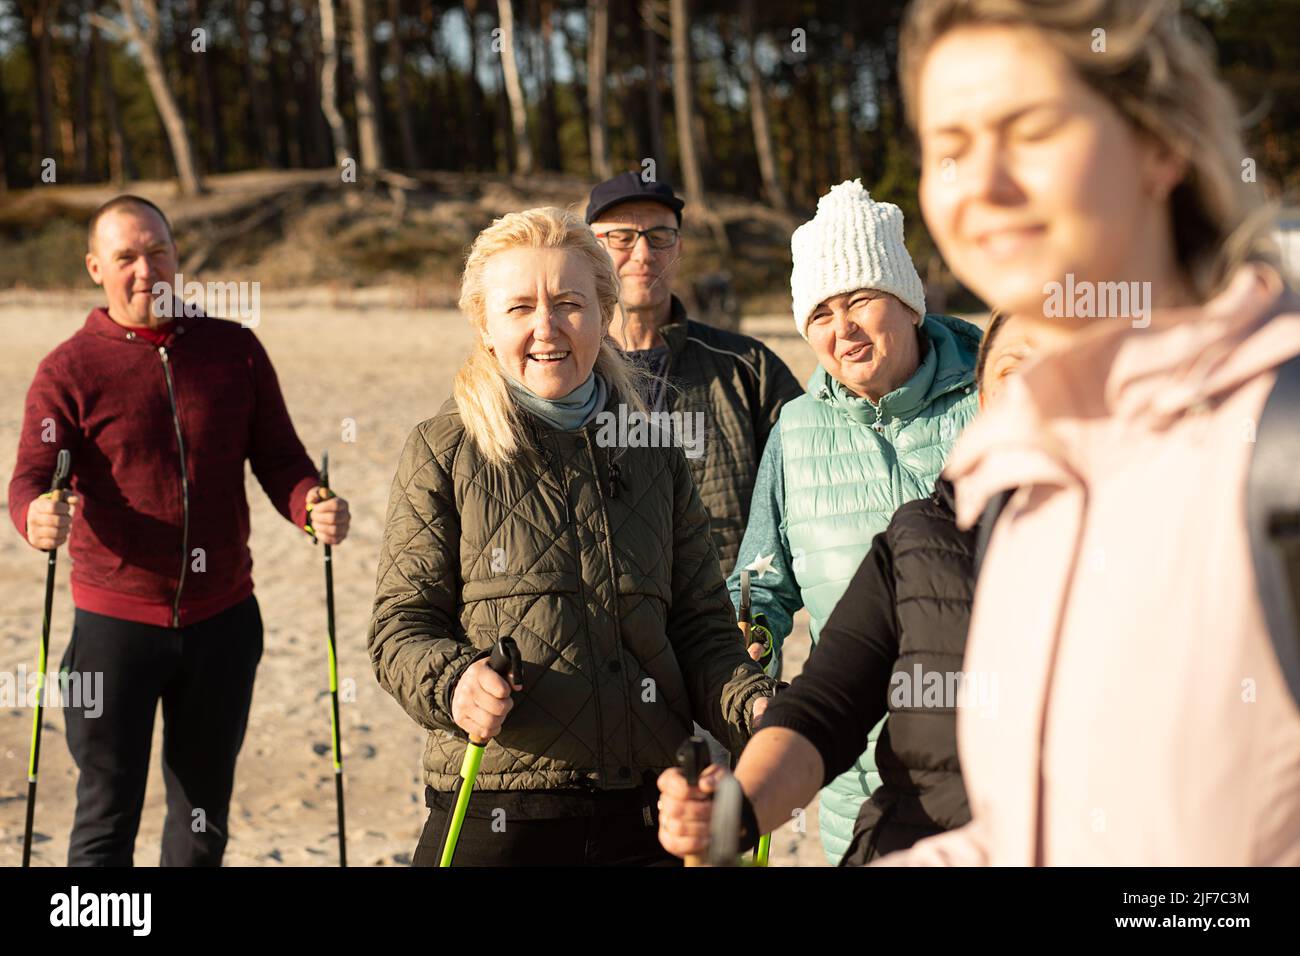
(160, 415)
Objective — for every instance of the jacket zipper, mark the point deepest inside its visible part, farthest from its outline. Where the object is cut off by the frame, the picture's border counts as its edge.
(571, 513)
(614, 482)
(185, 486)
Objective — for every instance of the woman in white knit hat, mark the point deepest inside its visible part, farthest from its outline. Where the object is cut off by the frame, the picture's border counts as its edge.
(892, 389)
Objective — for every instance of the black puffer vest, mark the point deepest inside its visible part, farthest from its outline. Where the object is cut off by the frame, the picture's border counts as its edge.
(934, 583)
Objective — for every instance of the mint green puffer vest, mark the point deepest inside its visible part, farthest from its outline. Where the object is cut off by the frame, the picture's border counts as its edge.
(849, 464)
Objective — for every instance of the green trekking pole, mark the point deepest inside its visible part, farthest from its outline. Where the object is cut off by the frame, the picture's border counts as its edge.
(505, 660)
(334, 664)
(62, 468)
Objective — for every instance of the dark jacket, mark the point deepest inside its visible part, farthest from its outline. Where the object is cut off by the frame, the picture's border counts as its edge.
(159, 438)
(894, 644)
(739, 385)
(597, 562)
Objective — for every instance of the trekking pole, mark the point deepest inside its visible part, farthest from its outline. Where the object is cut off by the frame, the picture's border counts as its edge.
(745, 619)
(505, 660)
(763, 849)
(62, 467)
(333, 662)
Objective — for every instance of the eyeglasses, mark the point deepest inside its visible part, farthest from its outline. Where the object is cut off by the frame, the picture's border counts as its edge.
(660, 237)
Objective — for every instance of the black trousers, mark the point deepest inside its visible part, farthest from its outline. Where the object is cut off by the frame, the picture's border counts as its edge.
(549, 828)
(203, 674)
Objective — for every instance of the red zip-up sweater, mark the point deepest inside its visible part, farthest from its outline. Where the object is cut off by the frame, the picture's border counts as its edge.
(159, 435)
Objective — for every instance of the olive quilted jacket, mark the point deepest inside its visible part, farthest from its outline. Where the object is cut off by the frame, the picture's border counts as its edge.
(599, 562)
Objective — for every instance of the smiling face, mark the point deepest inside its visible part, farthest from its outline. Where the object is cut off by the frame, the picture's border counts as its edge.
(542, 319)
(866, 340)
(131, 251)
(645, 275)
(1028, 174)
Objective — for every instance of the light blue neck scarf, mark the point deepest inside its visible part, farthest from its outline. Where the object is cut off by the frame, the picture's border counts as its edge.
(568, 413)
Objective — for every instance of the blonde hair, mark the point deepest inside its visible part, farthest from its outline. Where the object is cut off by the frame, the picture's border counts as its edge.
(1157, 68)
(492, 418)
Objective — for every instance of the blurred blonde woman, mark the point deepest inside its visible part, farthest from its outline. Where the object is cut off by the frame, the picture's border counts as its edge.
(511, 514)
(1072, 151)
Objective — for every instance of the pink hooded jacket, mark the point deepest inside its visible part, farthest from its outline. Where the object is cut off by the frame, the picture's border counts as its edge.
(1141, 717)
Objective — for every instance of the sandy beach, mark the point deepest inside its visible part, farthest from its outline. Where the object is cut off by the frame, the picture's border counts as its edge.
(354, 364)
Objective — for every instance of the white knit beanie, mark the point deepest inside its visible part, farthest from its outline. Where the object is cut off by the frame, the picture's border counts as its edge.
(852, 243)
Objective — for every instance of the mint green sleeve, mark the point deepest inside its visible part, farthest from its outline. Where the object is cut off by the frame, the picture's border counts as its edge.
(765, 551)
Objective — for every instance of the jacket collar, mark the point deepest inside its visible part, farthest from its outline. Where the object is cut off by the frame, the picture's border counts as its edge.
(674, 333)
(99, 323)
(947, 362)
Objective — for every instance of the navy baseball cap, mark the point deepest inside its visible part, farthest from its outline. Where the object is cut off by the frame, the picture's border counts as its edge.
(630, 187)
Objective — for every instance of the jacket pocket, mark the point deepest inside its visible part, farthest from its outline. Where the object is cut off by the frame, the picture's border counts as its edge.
(505, 585)
(644, 586)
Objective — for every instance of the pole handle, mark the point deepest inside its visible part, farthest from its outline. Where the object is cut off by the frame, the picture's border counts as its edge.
(323, 478)
(743, 612)
(60, 478)
(693, 758)
(62, 470)
(508, 663)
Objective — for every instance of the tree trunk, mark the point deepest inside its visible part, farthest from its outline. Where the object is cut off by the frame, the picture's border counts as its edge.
(318, 147)
(505, 123)
(758, 116)
(597, 62)
(703, 151)
(295, 142)
(83, 128)
(303, 51)
(783, 135)
(806, 145)
(579, 59)
(278, 129)
(367, 90)
(260, 151)
(550, 126)
(254, 103)
(446, 149)
(38, 14)
(64, 113)
(654, 98)
(216, 150)
(172, 120)
(482, 117)
(329, 69)
(683, 105)
(514, 91)
(5, 162)
(848, 166)
(396, 60)
(120, 166)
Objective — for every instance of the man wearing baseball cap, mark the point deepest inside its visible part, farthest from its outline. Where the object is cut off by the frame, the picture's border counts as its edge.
(735, 382)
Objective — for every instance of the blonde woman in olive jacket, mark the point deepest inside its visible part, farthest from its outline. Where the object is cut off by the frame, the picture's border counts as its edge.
(512, 513)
